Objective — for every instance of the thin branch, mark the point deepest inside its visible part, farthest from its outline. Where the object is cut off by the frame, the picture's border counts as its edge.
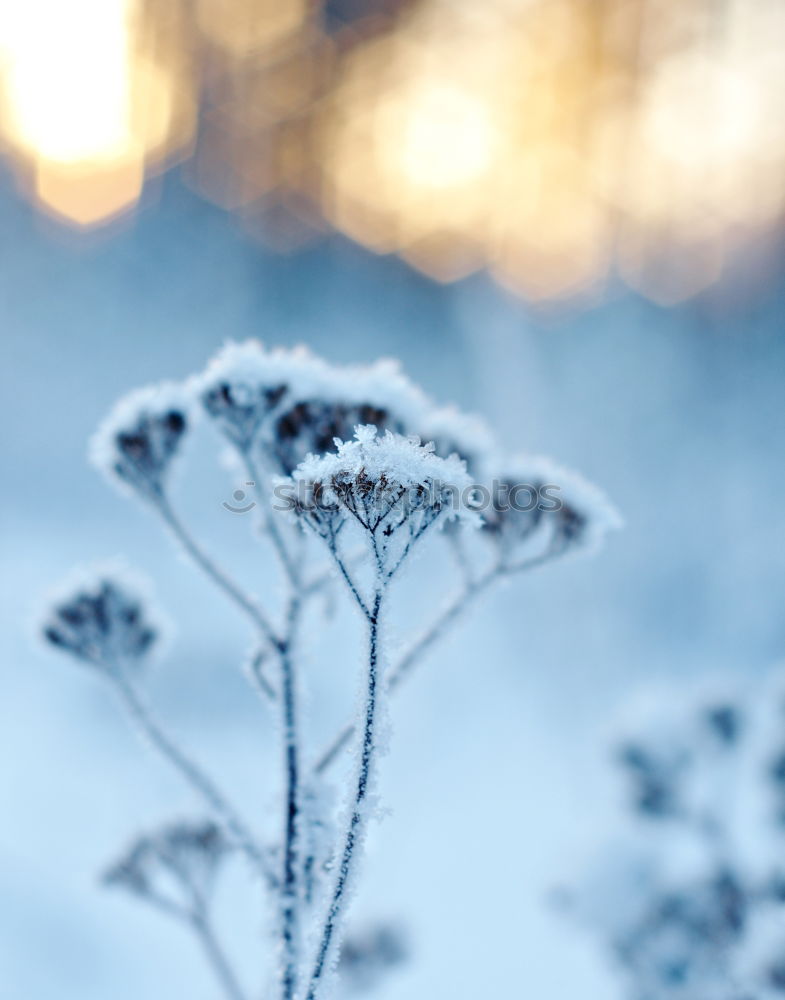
(256, 673)
(344, 571)
(432, 634)
(222, 580)
(217, 957)
(271, 524)
(290, 880)
(192, 773)
(359, 809)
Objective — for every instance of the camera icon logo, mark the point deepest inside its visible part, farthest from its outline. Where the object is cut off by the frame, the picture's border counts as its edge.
(239, 496)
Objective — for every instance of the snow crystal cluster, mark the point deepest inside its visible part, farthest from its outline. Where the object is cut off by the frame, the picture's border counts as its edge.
(389, 485)
(692, 902)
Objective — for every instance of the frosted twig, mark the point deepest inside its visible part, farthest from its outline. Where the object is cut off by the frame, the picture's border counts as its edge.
(290, 881)
(222, 580)
(256, 673)
(216, 956)
(192, 773)
(435, 631)
(358, 818)
(271, 526)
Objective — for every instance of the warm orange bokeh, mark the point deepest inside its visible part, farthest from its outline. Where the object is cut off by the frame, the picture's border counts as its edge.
(553, 142)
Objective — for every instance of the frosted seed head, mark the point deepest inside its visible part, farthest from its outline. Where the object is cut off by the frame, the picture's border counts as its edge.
(186, 852)
(685, 939)
(137, 443)
(386, 484)
(103, 623)
(314, 416)
(368, 955)
(244, 384)
(532, 494)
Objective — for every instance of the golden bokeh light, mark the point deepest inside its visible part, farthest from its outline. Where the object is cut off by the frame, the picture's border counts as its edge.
(87, 196)
(555, 143)
(83, 110)
(243, 27)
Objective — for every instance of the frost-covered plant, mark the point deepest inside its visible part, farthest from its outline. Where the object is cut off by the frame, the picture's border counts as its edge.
(354, 469)
(692, 902)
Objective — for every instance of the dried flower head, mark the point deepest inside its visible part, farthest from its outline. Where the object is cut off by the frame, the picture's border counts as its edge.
(682, 943)
(315, 416)
(102, 623)
(244, 383)
(186, 853)
(367, 957)
(290, 404)
(532, 496)
(676, 747)
(392, 487)
(136, 444)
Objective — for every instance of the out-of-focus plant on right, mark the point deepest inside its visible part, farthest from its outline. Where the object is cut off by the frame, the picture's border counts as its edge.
(689, 898)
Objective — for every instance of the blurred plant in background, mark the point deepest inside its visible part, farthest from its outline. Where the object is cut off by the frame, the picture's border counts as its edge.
(553, 142)
(692, 903)
(366, 502)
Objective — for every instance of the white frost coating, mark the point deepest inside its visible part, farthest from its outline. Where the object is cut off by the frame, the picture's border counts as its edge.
(308, 377)
(383, 384)
(399, 460)
(149, 402)
(248, 365)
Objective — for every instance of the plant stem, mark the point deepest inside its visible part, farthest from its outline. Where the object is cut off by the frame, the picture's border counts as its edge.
(217, 957)
(431, 635)
(290, 881)
(222, 580)
(358, 820)
(192, 773)
(270, 522)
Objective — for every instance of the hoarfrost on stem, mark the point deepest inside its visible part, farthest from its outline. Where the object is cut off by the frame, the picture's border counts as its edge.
(369, 465)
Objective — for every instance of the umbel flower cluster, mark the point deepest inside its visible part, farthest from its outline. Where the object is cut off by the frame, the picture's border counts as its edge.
(354, 469)
(691, 899)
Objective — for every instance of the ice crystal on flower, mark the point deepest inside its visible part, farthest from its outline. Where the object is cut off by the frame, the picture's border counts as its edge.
(382, 483)
(102, 623)
(137, 442)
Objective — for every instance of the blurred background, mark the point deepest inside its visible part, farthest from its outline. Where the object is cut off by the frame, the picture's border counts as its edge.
(564, 216)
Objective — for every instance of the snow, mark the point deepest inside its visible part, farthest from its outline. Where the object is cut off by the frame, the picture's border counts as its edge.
(393, 459)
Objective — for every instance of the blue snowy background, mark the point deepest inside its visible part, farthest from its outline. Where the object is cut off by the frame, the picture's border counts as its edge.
(498, 783)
